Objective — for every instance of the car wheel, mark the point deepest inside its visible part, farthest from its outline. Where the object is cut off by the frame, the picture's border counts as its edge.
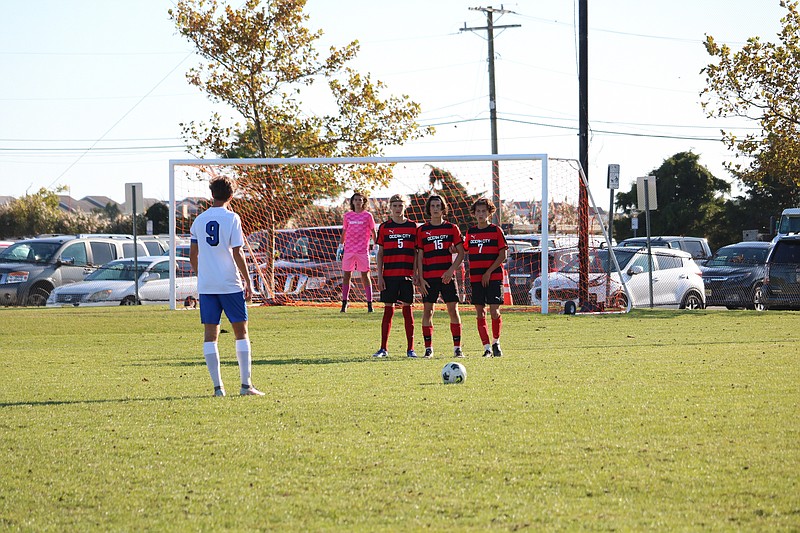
(758, 300)
(692, 300)
(570, 308)
(128, 300)
(38, 295)
(620, 300)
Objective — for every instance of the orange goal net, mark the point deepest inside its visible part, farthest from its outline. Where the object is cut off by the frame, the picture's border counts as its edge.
(292, 212)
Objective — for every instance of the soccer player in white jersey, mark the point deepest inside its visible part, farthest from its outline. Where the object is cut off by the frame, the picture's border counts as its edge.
(222, 281)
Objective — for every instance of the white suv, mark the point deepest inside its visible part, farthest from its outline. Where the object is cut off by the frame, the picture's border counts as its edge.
(677, 281)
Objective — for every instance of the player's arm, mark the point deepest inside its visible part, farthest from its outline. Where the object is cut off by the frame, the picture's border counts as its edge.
(423, 285)
(193, 252)
(447, 276)
(379, 266)
(241, 264)
(501, 258)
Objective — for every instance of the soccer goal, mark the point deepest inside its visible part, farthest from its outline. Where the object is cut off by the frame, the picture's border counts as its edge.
(292, 211)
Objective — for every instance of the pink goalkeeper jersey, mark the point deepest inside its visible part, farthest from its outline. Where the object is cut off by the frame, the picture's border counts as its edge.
(358, 228)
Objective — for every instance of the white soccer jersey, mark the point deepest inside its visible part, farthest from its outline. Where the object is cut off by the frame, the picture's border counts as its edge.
(217, 231)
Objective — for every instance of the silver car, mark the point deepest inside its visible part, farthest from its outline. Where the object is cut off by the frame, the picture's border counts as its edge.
(113, 284)
(677, 281)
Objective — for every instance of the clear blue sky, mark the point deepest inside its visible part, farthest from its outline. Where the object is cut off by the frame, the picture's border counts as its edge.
(92, 91)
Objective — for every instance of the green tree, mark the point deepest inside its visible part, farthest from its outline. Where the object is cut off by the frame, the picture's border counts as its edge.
(31, 214)
(759, 82)
(448, 186)
(159, 214)
(260, 60)
(111, 211)
(688, 198)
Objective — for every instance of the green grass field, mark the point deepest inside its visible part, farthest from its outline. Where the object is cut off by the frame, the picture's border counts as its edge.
(655, 420)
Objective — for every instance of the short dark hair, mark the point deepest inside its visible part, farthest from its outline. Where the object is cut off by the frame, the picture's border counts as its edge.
(428, 204)
(397, 198)
(357, 193)
(222, 188)
(485, 202)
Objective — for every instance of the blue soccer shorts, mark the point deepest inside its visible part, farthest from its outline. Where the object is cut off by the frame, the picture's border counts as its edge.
(212, 306)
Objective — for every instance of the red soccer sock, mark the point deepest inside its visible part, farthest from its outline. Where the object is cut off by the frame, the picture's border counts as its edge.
(408, 318)
(455, 330)
(427, 335)
(386, 325)
(483, 330)
(497, 325)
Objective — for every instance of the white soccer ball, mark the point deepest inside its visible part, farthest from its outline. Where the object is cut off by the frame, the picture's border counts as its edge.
(454, 373)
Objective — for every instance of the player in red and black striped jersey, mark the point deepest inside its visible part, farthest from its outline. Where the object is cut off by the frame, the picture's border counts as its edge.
(436, 241)
(487, 249)
(396, 258)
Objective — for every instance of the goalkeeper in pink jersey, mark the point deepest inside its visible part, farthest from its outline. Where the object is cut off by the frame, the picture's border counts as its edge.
(357, 230)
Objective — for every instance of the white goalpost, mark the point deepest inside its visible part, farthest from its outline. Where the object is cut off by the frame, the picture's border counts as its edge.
(548, 208)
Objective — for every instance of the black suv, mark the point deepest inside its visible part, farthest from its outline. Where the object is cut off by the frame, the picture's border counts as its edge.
(734, 275)
(697, 246)
(32, 268)
(781, 288)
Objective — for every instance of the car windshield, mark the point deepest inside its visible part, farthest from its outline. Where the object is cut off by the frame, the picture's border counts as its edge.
(789, 224)
(599, 261)
(30, 252)
(317, 244)
(117, 271)
(738, 256)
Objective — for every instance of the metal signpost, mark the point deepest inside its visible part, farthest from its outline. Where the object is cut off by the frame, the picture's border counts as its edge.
(134, 201)
(646, 196)
(613, 185)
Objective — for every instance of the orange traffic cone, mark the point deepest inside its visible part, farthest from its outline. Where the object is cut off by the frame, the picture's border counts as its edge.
(507, 300)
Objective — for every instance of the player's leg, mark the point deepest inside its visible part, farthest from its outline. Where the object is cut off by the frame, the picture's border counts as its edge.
(346, 275)
(479, 301)
(450, 297)
(388, 297)
(455, 327)
(407, 297)
(427, 325)
(210, 315)
(497, 326)
(236, 310)
(366, 282)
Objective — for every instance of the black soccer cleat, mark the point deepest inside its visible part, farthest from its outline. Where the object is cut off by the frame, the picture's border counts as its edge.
(344, 306)
(496, 351)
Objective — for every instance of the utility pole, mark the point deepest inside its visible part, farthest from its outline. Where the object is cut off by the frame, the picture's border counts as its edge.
(490, 27)
(583, 149)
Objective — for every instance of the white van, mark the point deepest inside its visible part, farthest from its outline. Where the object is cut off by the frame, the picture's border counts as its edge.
(789, 223)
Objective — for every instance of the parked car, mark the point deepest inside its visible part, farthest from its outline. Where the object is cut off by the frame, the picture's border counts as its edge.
(517, 246)
(525, 266)
(155, 244)
(113, 284)
(30, 269)
(781, 288)
(677, 281)
(308, 266)
(535, 239)
(697, 246)
(734, 275)
(5, 244)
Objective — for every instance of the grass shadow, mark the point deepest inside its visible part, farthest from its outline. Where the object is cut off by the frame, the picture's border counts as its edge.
(100, 401)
